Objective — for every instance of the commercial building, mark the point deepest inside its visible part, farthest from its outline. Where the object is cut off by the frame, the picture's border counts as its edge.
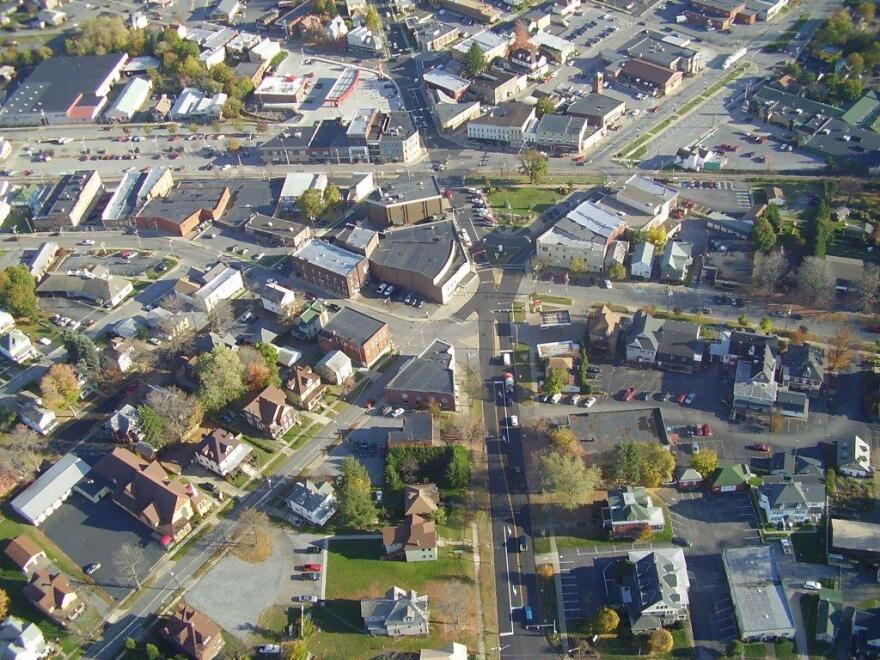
(63, 90)
(479, 11)
(426, 259)
(133, 191)
(195, 104)
(43, 497)
(556, 48)
(69, 202)
(508, 125)
(655, 80)
(226, 10)
(337, 271)
(281, 91)
(435, 36)
(492, 45)
(96, 285)
(295, 184)
(449, 116)
(854, 457)
(598, 109)
(630, 511)
(855, 540)
(357, 239)
(664, 51)
(361, 337)
(425, 379)
(584, 234)
(719, 14)
(449, 84)
(406, 201)
(131, 99)
(185, 206)
(40, 260)
(496, 85)
(565, 134)
(363, 41)
(759, 600)
(277, 230)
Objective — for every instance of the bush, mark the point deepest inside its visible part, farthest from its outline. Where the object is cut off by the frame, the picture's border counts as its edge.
(448, 467)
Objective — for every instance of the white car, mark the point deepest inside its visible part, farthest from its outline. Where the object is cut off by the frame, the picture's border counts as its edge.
(226, 167)
(398, 412)
(88, 241)
(608, 284)
(812, 585)
(590, 402)
(514, 421)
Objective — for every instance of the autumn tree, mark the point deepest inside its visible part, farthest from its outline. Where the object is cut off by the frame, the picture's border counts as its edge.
(813, 281)
(765, 325)
(568, 478)
(4, 604)
(332, 195)
(180, 412)
(372, 19)
(554, 381)
(221, 377)
(840, 349)
(545, 106)
(546, 571)
(605, 621)
(18, 291)
(295, 650)
(617, 272)
(660, 642)
(563, 439)
(767, 268)
(869, 291)
(706, 462)
(643, 463)
(311, 203)
(60, 386)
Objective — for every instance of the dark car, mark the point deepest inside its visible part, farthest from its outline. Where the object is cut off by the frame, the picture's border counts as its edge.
(333, 307)
(314, 577)
(682, 541)
(593, 370)
(312, 550)
(522, 544)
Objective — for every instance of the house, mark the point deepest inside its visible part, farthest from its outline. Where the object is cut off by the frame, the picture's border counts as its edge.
(425, 379)
(854, 457)
(192, 632)
(361, 337)
(582, 236)
(43, 497)
(143, 489)
(730, 478)
(314, 502)
(398, 613)
(795, 463)
(336, 28)
(421, 499)
(803, 368)
(96, 285)
(226, 10)
(125, 425)
(52, 594)
(792, 501)
(641, 338)
(641, 263)
(452, 651)
(193, 103)
(365, 42)
(311, 320)
(22, 640)
(335, 367)
(7, 322)
(603, 330)
(24, 553)
(33, 414)
(17, 346)
(675, 261)
(679, 347)
(829, 615)
(132, 98)
(761, 613)
(219, 283)
(267, 411)
(414, 540)
(221, 452)
(304, 388)
(698, 158)
(296, 184)
(657, 582)
(689, 479)
(120, 353)
(418, 430)
(755, 388)
(630, 511)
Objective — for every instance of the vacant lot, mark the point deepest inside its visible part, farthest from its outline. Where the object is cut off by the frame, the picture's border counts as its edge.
(522, 201)
(356, 570)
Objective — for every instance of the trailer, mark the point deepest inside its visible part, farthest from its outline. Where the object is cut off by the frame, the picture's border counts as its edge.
(733, 58)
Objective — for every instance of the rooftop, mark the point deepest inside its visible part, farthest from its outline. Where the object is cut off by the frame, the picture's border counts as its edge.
(184, 200)
(757, 594)
(430, 249)
(353, 326)
(509, 114)
(432, 371)
(328, 256)
(405, 190)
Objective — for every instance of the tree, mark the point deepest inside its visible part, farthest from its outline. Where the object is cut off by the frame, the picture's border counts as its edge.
(311, 203)
(129, 560)
(577, 266)
(657, 464)
(18, 292)
(743, 321)
(534, 165)
(840, 349)
(458, 470)
(545, 106)
(813, 281)
(296, 650)
(765, 325)
(617, 272)
(605, 621)
(372, 19)
(820, 228)
(800, 335)
(554, 381)
(7, 419)
(736, 648)
(706, 462)
(152, 426)
(439, 516)
(627, 463)
(82, 351)
(270, 355)
(866, 10)
(60, 386)
(326, 8)
(763, 236)
(221, 377)
(771, 214)
(153, 652)
(233, 107)
(99, 36)
(766, 270)
(660, 642)
(180, 412)
(409, 469)
(656, 236)
(856, 63)
(250, 528)
(332, 195)
(563, 439)
(4, 604)
(23, 451)
(474, 61)
(546, 571)
(356, 509)
(233, 145)
(869, 291)
(568, 478)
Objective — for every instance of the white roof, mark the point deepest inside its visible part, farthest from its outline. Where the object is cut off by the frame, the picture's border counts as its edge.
(132, 97)
(599, 221)
(50, 486)
(288, 356)
(296, 183)
(280, 85)
(651, 187)
(335, 361)
(6, 318)
(445, 80)
(542, 38)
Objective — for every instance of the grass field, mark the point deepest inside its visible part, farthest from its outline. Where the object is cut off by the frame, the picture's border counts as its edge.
(552, 300)
(627, 645)
(355, 570)
(523, 200)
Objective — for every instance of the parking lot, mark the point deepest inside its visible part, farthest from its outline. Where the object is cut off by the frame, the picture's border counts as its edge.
(724, 196)
(89, 533)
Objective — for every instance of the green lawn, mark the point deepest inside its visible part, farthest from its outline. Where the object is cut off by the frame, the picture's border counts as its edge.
(552, 300)
(627, 645)
(522, 201)
(356, 570)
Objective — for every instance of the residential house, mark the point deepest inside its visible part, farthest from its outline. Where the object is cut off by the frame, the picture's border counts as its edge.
(630, 511)
(267, 411)
(24, 553)
(854, 457)
(335, 367)
(17, 346)
(795, 463)
(49, 491)
(336, 28)
(414, 540)
(730, 478)
(124, 425)
(33, 414)
(675, 261)
(829, 615)
(218, 283)
(52, 594)
(418, 430)
(311, 320)
(641, 263)
(425, 379)
(657, 582)
(641, 338)
(96, 285)
(314, 502)
(121, 353)
(221, 452)
(7, 322)
(399, 613)
(143, 489)
(792, 501)
(866, 633)
(276, 298)
(803, 368)
(361, 337)
(421, 499)
(689, 479)
(22, 640)
(192, 632)
(679, 347)
(603, 330)
(755, 387)
(304, 388)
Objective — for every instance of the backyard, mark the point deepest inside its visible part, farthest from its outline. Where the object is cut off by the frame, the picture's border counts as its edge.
(355, 570)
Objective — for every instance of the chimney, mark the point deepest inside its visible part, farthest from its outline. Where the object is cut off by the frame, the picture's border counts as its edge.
(597, 83)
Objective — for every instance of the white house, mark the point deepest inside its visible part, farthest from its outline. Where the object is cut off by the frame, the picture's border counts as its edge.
(220, 283)
(221, 452)
(336, 28)
(854, 457)
(642, 261)
(7, 322)
(296, 183)
(22, 640)
(335, 367)
(313, 502)
(33, 414)
(17, 346)
(39, 500)
(138, 20)
(792, 501)
(276, 298)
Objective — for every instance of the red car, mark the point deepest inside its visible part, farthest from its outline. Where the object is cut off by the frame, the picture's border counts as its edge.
(681, 398)
(698, 429)
(369, 403)
(761, 446)
(312, 568)
(707, 430)
(629, 394)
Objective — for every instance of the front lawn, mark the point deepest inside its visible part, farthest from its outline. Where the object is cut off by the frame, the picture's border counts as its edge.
(523, 201)
(627, 645)
(356, 570)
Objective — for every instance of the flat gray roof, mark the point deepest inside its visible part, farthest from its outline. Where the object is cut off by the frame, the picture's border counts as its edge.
(433, 371)
(353, 325)
(757, 593)
(329, 256)
(405, 190)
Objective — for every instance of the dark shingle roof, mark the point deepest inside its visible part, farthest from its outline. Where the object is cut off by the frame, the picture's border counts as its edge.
(353, 326)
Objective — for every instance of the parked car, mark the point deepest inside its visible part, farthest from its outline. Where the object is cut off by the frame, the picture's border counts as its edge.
(682, 541)
(761, 446)
(312, 568)
(92, 568)
(269, 649)
(312, 550)
(314, 577)
(514, 421)
(398, 412)
(522, 544)
(707, 430)
(629, 394)
(695, 448)
(812, 585)
(786, 546)
(690, 398)
(590, 402)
